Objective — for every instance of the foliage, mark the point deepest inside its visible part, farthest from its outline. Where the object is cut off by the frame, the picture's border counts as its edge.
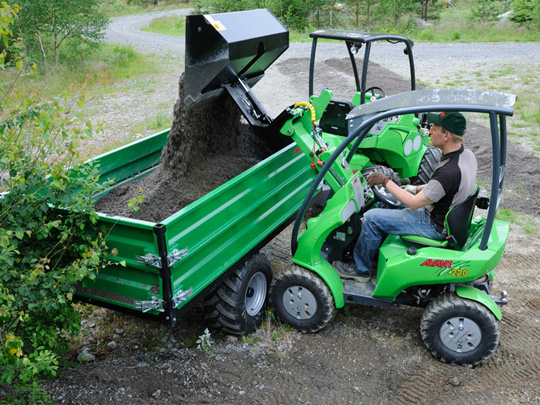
(484, 11)
(44, 251)
(526, 12)
(47, 25)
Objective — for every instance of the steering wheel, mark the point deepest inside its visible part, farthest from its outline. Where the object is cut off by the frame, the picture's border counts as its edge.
(384, 196)
(372, 89)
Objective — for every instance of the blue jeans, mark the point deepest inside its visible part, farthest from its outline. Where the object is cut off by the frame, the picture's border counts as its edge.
(379, 222)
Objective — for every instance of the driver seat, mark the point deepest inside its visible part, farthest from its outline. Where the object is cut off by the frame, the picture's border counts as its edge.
(458, 221)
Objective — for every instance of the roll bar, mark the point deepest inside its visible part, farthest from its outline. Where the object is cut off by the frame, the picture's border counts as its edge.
(363, 117)
(354, 41)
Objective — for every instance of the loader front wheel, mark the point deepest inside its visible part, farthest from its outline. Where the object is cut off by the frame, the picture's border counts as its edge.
(458, 330)
(240, 302)
(431, 158)
(302, 300)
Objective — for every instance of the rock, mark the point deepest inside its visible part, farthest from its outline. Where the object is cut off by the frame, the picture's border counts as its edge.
(119, 331)
(112, 345)
(422, 24)
(454, 381)
(86, 356)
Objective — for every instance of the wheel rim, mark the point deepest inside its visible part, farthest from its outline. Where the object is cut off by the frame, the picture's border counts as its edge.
(299, 302)
(460, 334)
(255, 294)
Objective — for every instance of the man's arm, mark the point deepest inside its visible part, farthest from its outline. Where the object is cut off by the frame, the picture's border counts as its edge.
(410, 200)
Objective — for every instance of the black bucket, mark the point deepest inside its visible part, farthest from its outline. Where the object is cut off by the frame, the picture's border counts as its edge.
(223, 47)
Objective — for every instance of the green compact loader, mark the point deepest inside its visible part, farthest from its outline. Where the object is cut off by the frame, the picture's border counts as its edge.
(343, 142)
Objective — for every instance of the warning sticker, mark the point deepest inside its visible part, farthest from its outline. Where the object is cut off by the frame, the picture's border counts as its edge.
(218, 25)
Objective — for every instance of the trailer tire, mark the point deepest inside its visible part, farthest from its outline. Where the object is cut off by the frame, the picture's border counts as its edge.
(448, 315)
(431, 158)
(302, 300)
(241, 301)
(384, 170)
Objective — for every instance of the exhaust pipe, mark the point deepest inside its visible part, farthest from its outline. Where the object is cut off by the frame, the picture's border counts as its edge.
(230, 52)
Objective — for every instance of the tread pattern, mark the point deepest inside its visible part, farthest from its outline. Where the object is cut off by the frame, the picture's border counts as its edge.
(430, 159)
(452, 303)
(296, 275)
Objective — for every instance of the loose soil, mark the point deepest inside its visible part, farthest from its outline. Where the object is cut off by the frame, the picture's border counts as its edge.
(367, 355)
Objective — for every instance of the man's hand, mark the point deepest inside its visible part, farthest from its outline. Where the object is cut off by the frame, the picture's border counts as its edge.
(376, 178)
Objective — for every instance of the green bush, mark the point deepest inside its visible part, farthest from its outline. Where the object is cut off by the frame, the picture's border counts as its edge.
(49, 239)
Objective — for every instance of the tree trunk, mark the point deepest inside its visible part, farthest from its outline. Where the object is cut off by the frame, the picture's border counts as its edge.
(55, 40)
(43, 54)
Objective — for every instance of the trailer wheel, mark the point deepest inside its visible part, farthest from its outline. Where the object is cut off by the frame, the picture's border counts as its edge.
(427, 165)
(240, 302)
(302, 300)
(458, 330)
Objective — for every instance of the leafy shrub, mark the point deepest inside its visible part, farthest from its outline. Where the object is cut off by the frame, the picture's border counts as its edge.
(49, 240)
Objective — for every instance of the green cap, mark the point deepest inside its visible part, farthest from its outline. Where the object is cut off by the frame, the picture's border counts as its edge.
(451, 121)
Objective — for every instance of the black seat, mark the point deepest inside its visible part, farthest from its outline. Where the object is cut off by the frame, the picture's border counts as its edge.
(458, 222)
(333, 120)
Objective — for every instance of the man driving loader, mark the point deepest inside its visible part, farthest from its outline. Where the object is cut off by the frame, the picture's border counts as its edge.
(424, 207)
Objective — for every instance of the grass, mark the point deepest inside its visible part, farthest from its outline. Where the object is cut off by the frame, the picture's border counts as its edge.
(529, 224)
(117, 8)
(167, 26)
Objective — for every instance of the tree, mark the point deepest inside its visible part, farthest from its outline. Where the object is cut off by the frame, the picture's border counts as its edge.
(49, 236)
(484, 11)
(58, 21)
(424, 6)
(526, 12)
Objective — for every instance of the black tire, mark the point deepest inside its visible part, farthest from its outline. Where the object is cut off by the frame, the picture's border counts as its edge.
(302, 300)
(431, 158)
(480, 330)
(384, 170)
(239, 304)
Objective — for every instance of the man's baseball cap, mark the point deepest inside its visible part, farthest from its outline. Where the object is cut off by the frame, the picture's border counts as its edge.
(451, 121)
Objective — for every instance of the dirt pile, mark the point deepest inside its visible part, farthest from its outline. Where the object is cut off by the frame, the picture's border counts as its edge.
(207, 146)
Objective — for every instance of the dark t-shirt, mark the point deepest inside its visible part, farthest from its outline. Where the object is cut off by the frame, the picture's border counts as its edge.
(451, 183)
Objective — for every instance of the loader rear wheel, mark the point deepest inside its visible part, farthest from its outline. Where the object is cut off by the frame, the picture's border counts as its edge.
(458, 330)
(302, 300)
(431, 157)
(240, 302)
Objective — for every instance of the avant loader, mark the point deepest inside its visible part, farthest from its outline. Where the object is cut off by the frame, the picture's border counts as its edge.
(210, 249)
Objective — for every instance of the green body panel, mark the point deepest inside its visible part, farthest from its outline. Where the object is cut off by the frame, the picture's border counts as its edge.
(224, 225)
(474, 294)
(217, 230)
(124, 284)
(398, 270)
(347, 201)
(136, 157)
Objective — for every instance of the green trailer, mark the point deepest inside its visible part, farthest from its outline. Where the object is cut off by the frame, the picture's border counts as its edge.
(172, 265)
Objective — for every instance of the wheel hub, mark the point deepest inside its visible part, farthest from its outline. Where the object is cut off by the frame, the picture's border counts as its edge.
(299, 302)
(255, 294)
(460, 334)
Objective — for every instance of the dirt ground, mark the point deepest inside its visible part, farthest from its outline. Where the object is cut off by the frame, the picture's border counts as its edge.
(366, 356)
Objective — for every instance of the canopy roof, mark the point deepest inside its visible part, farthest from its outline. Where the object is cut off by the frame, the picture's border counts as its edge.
(465, 100)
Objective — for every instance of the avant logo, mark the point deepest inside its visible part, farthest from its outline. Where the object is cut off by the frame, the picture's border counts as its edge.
(445, 264)
(448, 267)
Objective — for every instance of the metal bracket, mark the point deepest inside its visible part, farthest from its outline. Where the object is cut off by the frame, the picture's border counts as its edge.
(155, 261)
(154, 303)
(176, 255)
(181, 296)
(150, 259)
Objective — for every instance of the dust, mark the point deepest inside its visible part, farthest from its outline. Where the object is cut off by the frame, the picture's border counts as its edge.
(207, 146)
